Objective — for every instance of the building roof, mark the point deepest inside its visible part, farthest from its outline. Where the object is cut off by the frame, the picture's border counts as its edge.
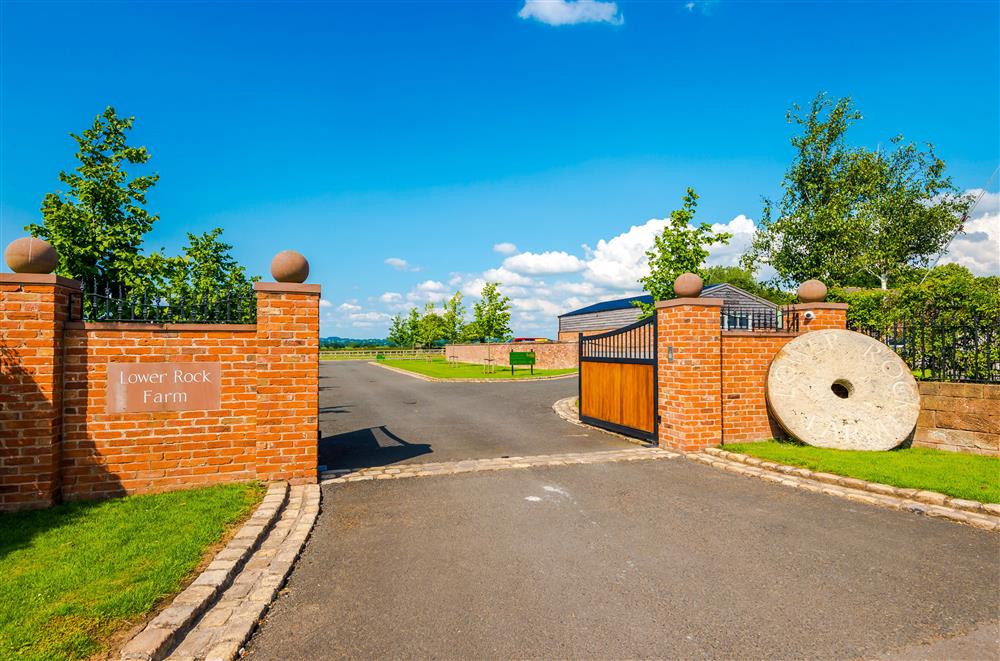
(621, 303)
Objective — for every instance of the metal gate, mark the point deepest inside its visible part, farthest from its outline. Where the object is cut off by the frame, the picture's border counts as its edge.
(618, 380)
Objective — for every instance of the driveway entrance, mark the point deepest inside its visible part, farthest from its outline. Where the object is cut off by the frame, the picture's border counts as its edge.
(370, 416)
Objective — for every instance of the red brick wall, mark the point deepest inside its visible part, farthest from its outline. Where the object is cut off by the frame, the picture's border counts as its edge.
(959, 417)
(746, 357)
(714, 390)
(33, 309)
(58, 441)
(548, 355)
(109, 454)
(287, 381)
(689, 384)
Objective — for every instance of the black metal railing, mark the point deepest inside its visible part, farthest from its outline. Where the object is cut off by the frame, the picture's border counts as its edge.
(635, 343)
(95, 303)
(944, 348)
(759, 319)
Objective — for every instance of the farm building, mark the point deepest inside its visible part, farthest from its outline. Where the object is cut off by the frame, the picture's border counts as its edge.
(609, 315)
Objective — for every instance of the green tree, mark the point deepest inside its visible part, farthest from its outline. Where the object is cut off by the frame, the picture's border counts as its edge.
(744, 279)
(431, 327)
(413, 327)
(98, 224)
(850, 215)
(679, 248)
(454, 318)
(399, 331)
(491, 315)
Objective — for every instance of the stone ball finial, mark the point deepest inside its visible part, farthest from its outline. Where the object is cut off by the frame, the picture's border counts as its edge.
(289, 266)
(812, 291)
(688, 285)
(31, 255)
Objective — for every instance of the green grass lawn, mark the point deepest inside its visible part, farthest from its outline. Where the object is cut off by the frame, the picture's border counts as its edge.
(441, 369)
(960, 475)
(73, 575)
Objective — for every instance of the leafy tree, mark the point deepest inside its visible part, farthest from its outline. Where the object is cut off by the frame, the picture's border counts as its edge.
(413, 327)
(679, 248)
(744, 279)
(849, 215)
(431, 327)
(454, 318)
(97, 226)
(399, 331)
(491, 315)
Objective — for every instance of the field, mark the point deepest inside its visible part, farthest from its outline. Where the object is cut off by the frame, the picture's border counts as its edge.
(439, 368)
(968, 476)
(74, 575)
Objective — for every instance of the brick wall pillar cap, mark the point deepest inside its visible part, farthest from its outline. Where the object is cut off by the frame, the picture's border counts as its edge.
(700, 302)
(818, 306)
(39, 279)
(286, 287)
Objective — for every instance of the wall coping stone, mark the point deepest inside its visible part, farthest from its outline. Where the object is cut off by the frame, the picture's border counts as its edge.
(703, 302)
(158, 328)
(287, 287)
(39, 279)
(818, 306)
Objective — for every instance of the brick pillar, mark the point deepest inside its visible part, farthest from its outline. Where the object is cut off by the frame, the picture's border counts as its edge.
(828, 315)
(287, 381)
(33, 309)
(689, 373)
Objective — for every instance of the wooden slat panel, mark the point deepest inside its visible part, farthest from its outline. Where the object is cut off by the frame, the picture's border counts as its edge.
(620, 393)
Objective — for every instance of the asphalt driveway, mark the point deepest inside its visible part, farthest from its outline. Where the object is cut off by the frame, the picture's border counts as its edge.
(664, 558)
(371, 416)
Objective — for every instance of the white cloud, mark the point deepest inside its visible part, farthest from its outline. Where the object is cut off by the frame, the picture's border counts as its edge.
(978, 247)
(619, 262)
(430, 285)
(546, 263)
(505, 248)
(571, 12)
(348, 307)
(742, 229)
(400, 264)
(506, 277)
(391, 297)
(323, 303)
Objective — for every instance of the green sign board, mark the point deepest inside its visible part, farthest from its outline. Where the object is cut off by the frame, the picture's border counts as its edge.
(522, 358)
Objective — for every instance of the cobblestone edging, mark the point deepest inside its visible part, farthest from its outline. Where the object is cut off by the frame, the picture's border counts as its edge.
(424, 377)
(566, 410)
(164, 630)
(981, 515)
(400, 471)
(224, 628)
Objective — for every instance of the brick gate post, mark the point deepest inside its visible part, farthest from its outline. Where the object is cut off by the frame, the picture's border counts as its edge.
(689, 373)
(287, 381)
(33, 310)
(826, 315)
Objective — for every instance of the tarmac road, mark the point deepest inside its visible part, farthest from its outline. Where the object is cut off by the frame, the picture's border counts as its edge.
(371, 416)
(663, 558)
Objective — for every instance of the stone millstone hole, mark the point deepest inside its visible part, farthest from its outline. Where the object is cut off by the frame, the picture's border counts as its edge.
(842, 388)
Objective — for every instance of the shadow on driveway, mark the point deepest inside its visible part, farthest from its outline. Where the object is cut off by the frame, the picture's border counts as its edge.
(364, 448)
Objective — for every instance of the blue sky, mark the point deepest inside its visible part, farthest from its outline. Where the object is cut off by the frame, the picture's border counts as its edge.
(427, 133)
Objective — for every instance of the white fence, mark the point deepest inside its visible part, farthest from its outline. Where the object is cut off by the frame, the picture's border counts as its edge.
(388, 354)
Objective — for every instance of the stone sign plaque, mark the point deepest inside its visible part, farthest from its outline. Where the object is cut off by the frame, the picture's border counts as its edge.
(844, 390)
(153, 387)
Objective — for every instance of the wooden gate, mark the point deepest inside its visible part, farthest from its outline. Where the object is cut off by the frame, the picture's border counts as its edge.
(618, 380)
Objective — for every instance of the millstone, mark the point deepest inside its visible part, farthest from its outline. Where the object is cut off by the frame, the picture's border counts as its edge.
(844, 390)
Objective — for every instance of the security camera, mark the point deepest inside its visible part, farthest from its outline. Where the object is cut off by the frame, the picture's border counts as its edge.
(810, 315)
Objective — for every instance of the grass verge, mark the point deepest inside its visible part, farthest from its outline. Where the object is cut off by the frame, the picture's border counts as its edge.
(73, 575)
(439, 368)
(968, 476)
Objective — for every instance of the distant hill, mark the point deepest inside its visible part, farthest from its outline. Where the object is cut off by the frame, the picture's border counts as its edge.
(335, 342)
